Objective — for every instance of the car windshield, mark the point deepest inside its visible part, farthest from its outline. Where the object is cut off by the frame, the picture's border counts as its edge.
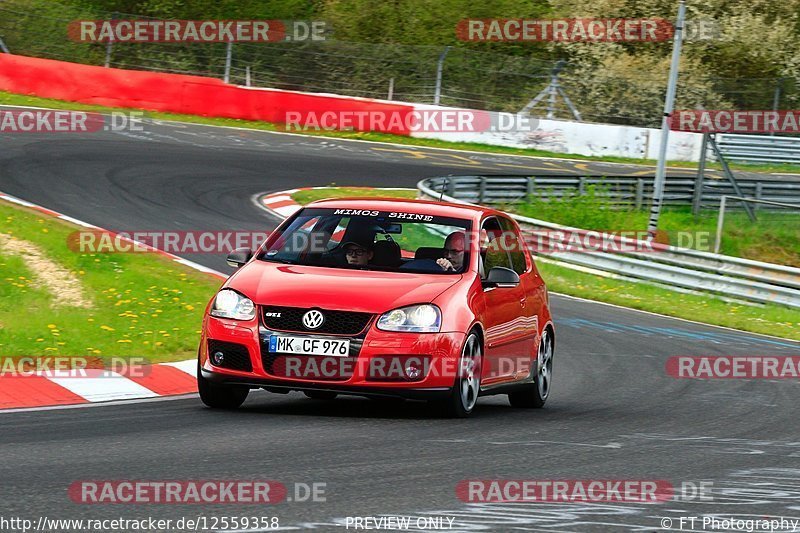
(372, 240)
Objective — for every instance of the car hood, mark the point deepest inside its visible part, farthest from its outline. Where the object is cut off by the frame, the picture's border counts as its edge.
(336, 288)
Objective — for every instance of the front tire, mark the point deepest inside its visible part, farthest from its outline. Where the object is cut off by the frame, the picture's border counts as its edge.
(220, 396)
(534, 395)
(467, 386)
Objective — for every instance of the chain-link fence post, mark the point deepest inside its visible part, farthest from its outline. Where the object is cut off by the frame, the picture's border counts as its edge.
(3, 46)
(669, 103)
(720, 222)
(228, 55)
(110, 44)
(776, 100)
(437, 96)
(697, 193)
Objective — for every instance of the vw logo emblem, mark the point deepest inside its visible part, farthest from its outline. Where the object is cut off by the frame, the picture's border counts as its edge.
(313, 319)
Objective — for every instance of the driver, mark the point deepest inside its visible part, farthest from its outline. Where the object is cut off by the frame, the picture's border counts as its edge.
(358, 253)
(454, 246)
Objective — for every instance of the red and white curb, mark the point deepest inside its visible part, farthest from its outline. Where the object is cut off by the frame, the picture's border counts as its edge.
(282, 205)
(164, 379)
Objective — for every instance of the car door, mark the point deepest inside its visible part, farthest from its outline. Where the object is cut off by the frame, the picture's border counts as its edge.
(504, 319)
(533, 293)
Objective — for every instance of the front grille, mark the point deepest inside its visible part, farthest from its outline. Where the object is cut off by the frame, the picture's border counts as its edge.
(336, 322)
(236, 356)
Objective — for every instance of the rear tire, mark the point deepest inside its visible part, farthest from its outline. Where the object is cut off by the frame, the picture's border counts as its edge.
(220, 396)
(467, 386)
(320, 394)
(534, 395)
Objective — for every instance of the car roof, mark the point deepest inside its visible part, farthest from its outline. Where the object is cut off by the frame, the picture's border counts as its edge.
(428, 207)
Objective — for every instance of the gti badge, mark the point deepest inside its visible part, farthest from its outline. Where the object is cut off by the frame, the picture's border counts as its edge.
(313, 319)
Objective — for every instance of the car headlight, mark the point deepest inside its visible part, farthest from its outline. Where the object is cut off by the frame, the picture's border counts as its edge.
(425, 318)
(231, 304)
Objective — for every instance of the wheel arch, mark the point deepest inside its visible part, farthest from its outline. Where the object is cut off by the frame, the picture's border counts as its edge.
(477, 327)
(550, 328)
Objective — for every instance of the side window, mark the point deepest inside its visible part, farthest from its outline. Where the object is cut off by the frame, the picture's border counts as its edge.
(289, 246)
(493, 252)
(511, 242)
(338, 233)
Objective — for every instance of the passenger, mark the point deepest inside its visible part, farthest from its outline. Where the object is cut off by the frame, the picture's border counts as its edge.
(454, 246)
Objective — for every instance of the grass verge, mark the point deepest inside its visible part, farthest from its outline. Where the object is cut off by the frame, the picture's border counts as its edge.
(767, 319)
(141, 304)
(312, 195)
(774, 237)
(24, 100)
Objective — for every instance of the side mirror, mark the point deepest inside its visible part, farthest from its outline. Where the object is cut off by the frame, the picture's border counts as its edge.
(239, 257)
(501, 277)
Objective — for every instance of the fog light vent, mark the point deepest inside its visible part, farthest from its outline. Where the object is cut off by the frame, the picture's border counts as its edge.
(229, 355)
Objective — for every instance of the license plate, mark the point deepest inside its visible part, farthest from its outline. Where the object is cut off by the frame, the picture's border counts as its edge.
(308, 346)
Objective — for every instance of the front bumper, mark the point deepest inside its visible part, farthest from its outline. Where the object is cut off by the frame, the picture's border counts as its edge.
(285, 386)
(374, 367)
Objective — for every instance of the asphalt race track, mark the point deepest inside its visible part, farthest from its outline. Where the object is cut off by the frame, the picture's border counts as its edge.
(614, 412)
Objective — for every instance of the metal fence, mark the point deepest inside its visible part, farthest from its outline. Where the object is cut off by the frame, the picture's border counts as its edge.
(622, 191)
(677, 268)
(760, 148)
(473, 75)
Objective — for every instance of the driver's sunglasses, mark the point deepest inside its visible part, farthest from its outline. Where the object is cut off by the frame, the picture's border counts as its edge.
(355, 252)
(452, 251)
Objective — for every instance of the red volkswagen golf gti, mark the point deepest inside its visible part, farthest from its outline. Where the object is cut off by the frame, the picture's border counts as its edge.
(382, 298)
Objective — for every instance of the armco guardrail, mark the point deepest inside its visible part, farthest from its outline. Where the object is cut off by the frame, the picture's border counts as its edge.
(726, 276)
(759, 148)
(634, 191)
